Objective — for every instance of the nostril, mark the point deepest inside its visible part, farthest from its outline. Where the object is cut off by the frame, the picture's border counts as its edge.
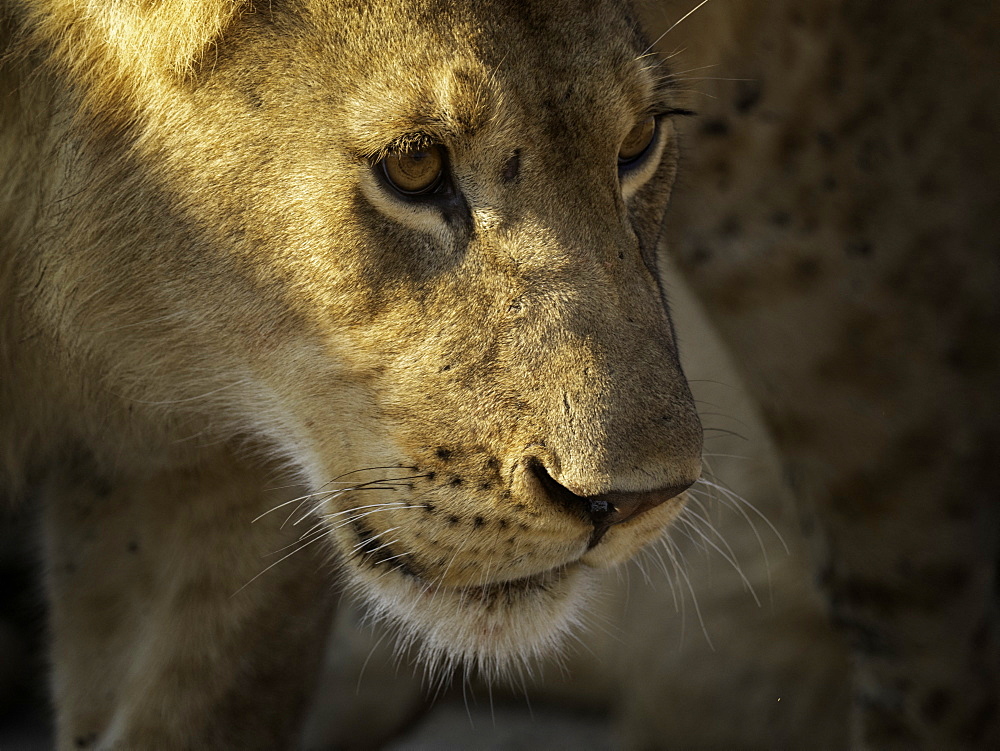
(606, 509)
(560, 494)
(593, 506)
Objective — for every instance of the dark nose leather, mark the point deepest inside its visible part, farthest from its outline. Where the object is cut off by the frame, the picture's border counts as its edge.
(607, 509)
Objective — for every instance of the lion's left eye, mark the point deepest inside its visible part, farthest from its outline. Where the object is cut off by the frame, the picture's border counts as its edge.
(637, 142)
(415, 173)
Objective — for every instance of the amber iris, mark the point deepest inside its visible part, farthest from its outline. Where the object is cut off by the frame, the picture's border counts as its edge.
(637, 141)
(415, 172)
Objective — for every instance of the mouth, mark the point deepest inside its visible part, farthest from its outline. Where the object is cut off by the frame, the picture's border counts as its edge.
(513, 591)
(496, 628)
(374, 553)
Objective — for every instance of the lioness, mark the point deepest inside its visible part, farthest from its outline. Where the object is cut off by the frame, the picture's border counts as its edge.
(294, 281)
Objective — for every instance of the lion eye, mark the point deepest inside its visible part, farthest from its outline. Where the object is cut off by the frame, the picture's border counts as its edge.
(637, 142)
(415, 173)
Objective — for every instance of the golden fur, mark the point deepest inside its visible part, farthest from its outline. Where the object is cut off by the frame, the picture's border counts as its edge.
(216, 318)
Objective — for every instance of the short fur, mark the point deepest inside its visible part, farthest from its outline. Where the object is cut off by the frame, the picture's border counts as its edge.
(209, 296)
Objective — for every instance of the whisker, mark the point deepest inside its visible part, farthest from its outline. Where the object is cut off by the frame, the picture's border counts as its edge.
(334, 492)
(351, 520)
(355, 509)
(729, 558)
(299, 499)
(394, 557)
(694, 599)
(364, 666)
(674, 26)
(670, 580)
(303, 547)
(726, 416)
(315, 529)
(711, 78)
(737, 498)
(384, 545)
(727, 432)
(674, 73)
(162, 402)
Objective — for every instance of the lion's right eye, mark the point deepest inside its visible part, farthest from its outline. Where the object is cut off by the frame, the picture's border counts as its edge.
(637, 142)
(415, 173)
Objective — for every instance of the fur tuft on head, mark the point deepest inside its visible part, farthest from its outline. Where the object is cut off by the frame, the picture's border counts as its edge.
(123, 49)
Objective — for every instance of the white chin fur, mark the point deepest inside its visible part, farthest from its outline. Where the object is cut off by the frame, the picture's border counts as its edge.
(497, 631)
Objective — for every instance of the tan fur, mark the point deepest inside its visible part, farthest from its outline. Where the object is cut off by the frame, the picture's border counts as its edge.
(208, 296)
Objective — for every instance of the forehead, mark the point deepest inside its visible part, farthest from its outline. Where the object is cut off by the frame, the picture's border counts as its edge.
(441, 66)
(564, 28)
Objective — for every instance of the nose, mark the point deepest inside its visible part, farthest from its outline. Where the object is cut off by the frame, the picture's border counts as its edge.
(606, 509)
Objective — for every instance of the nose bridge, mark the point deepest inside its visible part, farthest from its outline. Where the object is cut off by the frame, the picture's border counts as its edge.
(600, 232)
(552, 216)
(625, 419)
(615, 412)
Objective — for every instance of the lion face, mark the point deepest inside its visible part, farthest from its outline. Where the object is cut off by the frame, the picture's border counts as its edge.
(413, 250)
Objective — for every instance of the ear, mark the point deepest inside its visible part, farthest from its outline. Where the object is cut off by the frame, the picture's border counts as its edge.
(131, 43)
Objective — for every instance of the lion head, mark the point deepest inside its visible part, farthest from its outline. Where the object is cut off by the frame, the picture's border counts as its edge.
(411, 249)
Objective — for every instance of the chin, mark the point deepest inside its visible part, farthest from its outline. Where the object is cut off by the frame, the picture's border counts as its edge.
(496, 630)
